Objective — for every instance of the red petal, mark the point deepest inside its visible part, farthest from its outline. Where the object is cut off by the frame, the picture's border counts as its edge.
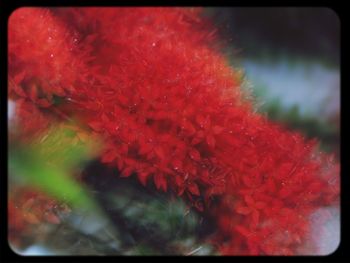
(196, 140)
(105, 118)
(200, 119)
(179, 181)
(120, 163)
(43, 103)
(200, 135)
(177, 165)
(271, 186)
(124, 148)
(255, 218)
(160, 181)
(18, 89)
(216, 190)
(126, 172)
(195, 155)
(243, 231)
(211, 141)
(193, 188)
(144, 148)
(187, 126)
(260, 205)
(217, 129)
(284, 192)
(19, 77)
(123, 100)
(109, 156)
(159, 151)
(247, 181)
(286, 168)
(143, 176)
(33, 92)
(97, 126)
(181, 190)
(249, 200)
(243, 210)
(205, 177)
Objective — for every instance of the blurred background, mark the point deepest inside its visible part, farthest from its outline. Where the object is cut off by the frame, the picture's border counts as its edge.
(290, 58)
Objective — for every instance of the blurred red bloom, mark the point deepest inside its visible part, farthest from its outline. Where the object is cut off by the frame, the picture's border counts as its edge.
(153, 85)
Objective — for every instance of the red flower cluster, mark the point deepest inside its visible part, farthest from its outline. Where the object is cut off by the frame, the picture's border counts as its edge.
(152, 83)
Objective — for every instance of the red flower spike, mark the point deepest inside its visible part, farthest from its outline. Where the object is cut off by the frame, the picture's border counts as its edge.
(174, 111)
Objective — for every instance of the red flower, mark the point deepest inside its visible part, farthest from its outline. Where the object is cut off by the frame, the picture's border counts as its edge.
(168, 106)
(251, 208)
(207, 132)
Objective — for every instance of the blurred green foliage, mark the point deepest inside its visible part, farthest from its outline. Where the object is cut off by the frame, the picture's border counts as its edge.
(48, 164)
(109, 215)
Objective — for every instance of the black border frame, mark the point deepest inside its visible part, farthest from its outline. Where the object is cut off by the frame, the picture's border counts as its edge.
(7, 254)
